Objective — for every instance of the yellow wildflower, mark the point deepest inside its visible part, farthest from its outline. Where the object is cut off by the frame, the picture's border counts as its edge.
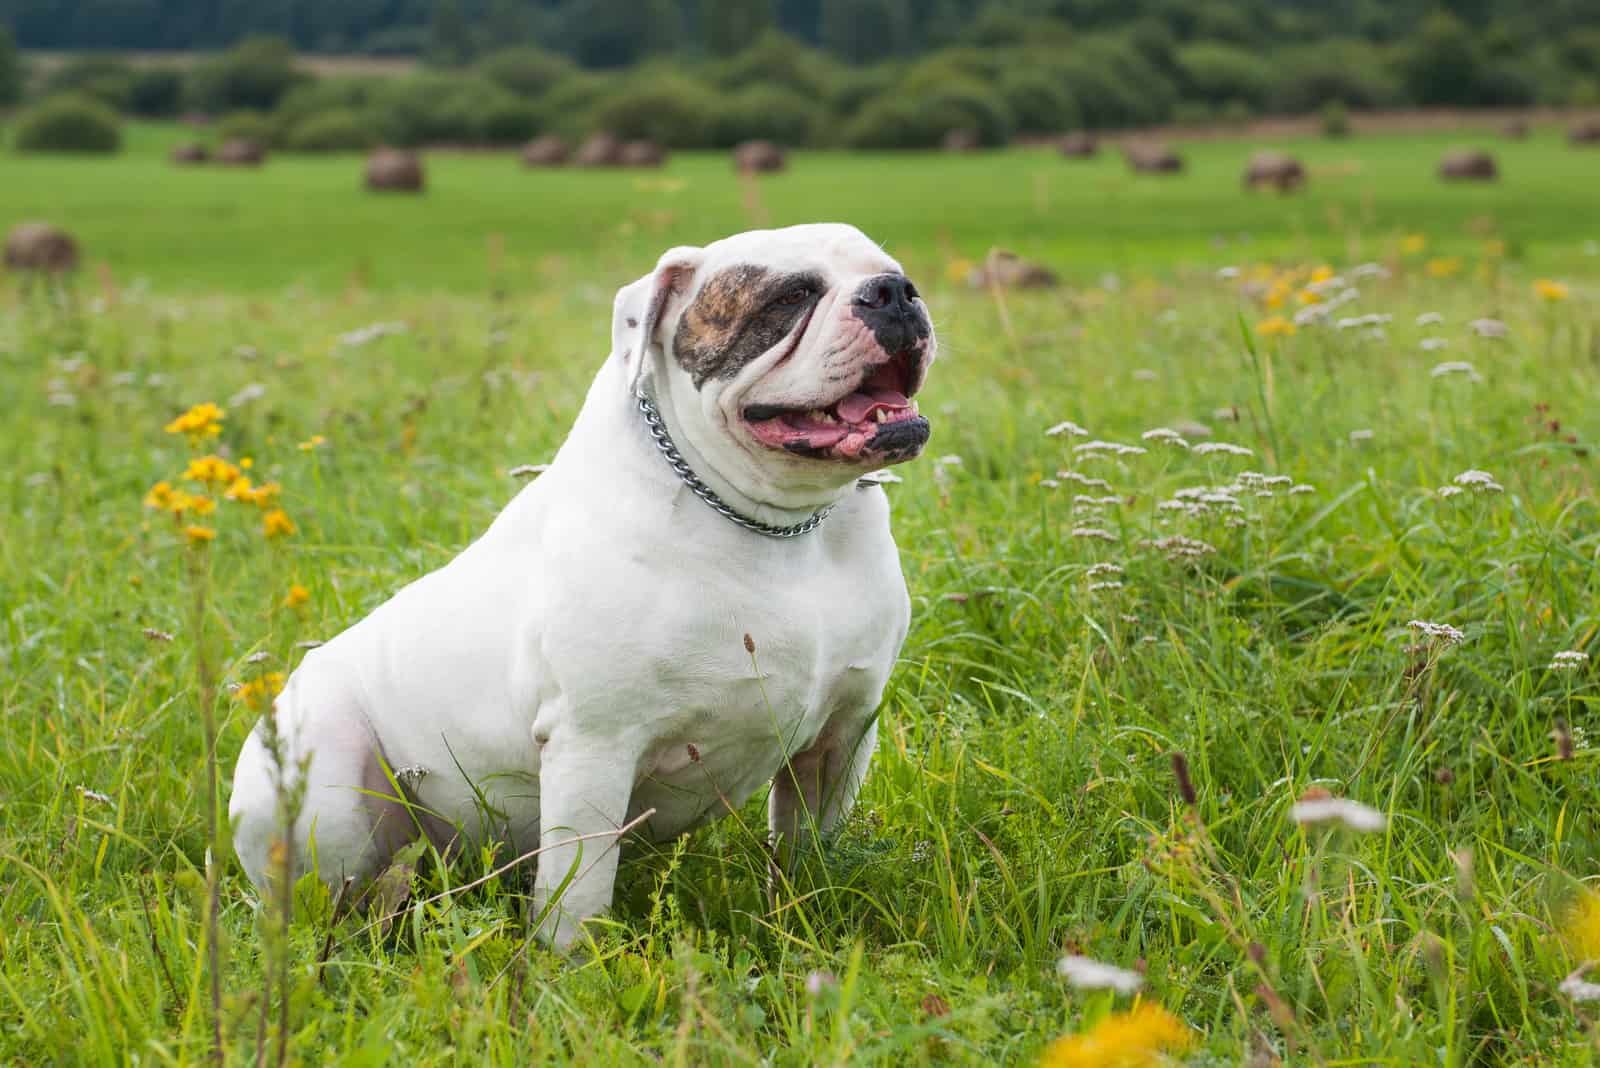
(199, 535)
(238, 490)
(1321, 274)
(200, 422)
(246, 463)
(313, 442)
(210, 469)
(160, 496)
(1581, 927)
(276, 523)
(1278, 293)
(259, 691)
(1547, 289)
(1133, 1039)
(1309, 296)
(1412, 244)
(1275, 326)
(1494, 248)
(193, 502)
(297, 596)
(1443, 266)
(958, 269)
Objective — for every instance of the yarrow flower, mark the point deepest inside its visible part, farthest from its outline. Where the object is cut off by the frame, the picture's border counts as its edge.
(1086, 973)
(1568, 660)
(1488, 328)
(1454, 367)
(1440, 632)
(1134, 1039)
(1166, 436)
(1429, 319)
(1478, 481)
(1434, 344)
(1318, 807)
(1066, 427)
(1207, 448)
(1549, 290)
(200, 422)
(1106, 448)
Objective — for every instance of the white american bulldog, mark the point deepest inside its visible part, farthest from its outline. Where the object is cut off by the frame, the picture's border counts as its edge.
(585, 660)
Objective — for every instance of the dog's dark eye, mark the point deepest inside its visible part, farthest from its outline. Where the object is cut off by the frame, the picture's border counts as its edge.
(797, 295)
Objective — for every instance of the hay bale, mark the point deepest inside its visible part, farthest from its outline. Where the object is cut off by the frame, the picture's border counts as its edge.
(191, 152)
(1468, 165)
(760, 157)
(1007, 270)
(1514, 129)
(242, 152)
(1078, 145)
(546, 151)
(1276, 169)
(1585, 133)
(1152, 158)
(392, 170)
(965, 139)
(41, 247)
(642, 154)
(600, 150)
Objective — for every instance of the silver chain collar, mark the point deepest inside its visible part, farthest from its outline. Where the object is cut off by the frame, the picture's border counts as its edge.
(675, 460)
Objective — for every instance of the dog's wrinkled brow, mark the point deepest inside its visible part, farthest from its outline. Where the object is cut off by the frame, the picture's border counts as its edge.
(736, 317)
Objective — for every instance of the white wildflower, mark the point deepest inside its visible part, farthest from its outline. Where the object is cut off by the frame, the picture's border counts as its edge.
(1429, 319)
(1442, 632)
(1208, 448)
(1369, 270)
(1446, 492)
(1352, 814)
(1227, 274)
(1084, 480)
(1434, 344)
(1568, 660)
(1302, 489)
(1357, 436)
(1479, 481)
(1098, 570)
(252, 392)
(1066, 427)
(1106, 448)
(1176, 547)
(1083, 500)
(1455, 367)
(1229, 414)
(1166, 436)
(951, 460)
(372, 332)
(1312, 314)
(1048, 483)
(1086, 973)
(1110, 584)
(1144, 374)
(1577, 988)
(1488, 328)
(95, 795)
(1093, 532)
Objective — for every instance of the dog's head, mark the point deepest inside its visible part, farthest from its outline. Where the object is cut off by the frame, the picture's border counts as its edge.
(789, 358)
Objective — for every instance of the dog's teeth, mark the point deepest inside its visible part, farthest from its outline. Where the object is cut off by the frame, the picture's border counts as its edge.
(914, 409)
(883, 416)
(818, 415)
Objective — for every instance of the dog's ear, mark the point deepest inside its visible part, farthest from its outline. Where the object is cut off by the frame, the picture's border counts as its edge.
(641, 306)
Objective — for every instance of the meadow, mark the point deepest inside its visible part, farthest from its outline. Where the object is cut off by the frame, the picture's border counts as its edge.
(1240, 587)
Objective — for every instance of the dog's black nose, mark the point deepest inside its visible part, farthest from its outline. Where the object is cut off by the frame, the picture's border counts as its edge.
(891, 294)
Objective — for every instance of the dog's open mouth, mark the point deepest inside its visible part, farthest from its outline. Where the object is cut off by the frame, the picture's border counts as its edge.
(878, 417)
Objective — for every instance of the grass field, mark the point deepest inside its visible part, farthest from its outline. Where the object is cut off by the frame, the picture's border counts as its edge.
(1023, 803)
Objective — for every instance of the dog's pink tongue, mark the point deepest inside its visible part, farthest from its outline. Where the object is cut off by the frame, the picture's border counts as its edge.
(856, 407)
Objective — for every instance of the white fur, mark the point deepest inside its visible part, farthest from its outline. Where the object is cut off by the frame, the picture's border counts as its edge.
(563, 664)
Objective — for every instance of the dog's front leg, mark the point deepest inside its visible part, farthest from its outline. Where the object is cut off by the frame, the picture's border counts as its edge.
(814, 791)
(584, 789)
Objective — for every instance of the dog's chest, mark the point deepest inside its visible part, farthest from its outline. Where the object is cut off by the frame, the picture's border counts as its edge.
(750, 673)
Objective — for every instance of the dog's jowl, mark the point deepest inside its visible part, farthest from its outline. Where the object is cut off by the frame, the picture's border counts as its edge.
(582, 666)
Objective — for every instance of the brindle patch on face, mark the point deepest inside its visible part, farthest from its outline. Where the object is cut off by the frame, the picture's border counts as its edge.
(739, 314)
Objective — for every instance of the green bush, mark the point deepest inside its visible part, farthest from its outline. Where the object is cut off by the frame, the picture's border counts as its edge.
(998, 27)
(1309, 76)
(339, 130)
(1193, 113)
(857, 88)
(254, 75)
(772, 113)
(1039, 103)
(105, 78)
(1103, 98)
(1335, 119)
(529, 72)
(10, 68)
(935, 71)
(156, 92)
(72, 122)
(248, 126)
(775, 59)
(564, 109)
(670, 108)
(902, 120)
(1217, 72)
(440, 108)
(511, 122)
